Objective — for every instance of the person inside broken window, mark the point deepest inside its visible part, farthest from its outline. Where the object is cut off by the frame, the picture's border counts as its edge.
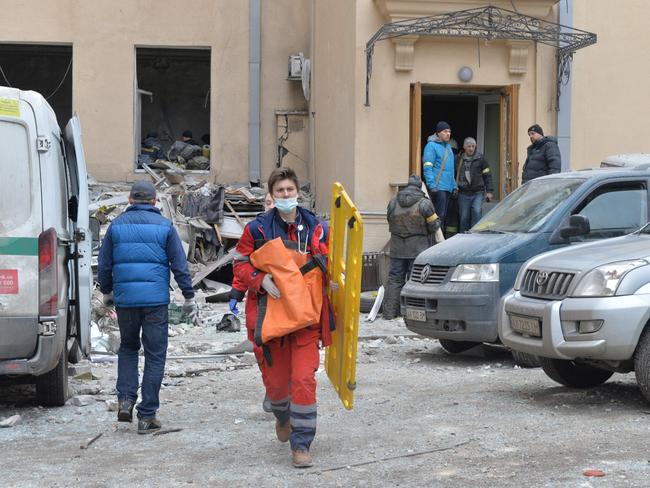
(266, 263)
(186, 137)
(137, 253)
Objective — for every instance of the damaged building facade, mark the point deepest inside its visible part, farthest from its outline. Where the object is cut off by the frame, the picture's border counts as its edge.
(219, 68)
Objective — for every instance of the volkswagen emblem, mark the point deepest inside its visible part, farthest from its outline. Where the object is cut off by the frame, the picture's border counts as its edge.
(541, 278)
(426, 271)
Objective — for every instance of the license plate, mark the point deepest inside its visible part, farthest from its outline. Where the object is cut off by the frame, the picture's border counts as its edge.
(419, 315)
(526, 325)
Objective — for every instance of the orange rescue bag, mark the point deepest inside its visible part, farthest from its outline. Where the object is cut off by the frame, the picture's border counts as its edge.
(300, 281)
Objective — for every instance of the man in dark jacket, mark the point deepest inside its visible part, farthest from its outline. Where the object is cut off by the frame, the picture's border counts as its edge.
(137, 253)
(411, 220)
(543, 155)
(474, 184)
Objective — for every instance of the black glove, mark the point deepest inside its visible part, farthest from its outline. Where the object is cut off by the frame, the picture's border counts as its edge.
(454, 194)
(435, 225)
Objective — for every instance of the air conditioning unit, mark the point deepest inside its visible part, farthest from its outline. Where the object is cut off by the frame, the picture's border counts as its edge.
(300, 70)
(296, 62)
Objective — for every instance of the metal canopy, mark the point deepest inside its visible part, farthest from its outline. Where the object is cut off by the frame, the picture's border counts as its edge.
(487, 23)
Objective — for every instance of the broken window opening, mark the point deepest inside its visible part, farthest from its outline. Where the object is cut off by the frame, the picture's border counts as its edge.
(45, 68)
(172, 107)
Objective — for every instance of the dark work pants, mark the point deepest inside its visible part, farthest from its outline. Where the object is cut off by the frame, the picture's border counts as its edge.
(397, 276)
(153, 322)
(440, 200)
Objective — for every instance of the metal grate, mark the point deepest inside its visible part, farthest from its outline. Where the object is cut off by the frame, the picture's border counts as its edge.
(415, 302)
(435, 275)
(549, 285)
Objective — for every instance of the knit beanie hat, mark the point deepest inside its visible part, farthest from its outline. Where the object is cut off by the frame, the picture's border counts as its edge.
(536, 128)
(442, 125)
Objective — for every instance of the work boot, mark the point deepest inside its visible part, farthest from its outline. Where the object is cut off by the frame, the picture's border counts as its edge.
(125, 410)
(147, 426)
(266, 404)
(283, 431)
(301, 459)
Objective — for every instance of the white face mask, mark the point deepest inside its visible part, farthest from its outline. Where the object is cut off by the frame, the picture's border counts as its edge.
(286, 205)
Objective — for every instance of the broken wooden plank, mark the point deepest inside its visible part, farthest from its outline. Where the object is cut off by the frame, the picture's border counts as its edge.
(241, 222)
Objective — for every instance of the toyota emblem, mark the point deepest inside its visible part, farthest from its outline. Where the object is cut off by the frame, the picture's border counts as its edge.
(426, 271)
(541, 278)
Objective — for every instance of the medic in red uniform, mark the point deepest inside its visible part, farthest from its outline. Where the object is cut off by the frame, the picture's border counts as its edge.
(290, 362)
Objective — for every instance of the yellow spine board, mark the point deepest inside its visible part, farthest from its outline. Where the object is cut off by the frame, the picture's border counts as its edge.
(344, 291)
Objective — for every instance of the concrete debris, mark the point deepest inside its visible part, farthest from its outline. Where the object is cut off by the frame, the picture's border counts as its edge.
(111, 405)
(85, 390)
(82, 400)
(79, 369)
(11, 421)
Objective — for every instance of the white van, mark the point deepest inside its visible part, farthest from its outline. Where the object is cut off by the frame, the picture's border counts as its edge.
(45, 245)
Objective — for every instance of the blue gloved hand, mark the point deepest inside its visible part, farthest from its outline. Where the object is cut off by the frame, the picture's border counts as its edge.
(232, 304)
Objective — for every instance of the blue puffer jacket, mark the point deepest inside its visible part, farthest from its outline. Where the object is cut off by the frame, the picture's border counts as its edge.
(434, 152)
(137, 253)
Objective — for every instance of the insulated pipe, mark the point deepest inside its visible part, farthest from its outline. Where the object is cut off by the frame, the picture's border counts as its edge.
(254, 62)
(564, 103)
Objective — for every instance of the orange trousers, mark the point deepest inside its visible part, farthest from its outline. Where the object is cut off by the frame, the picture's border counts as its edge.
(290, 382)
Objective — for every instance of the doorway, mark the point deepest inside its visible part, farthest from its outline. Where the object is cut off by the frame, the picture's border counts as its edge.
(487, 114)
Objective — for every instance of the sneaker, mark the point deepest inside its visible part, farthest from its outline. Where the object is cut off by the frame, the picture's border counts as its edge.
(266, 405)
(125, 410)
(147, 426)
(283, 431)
(302, 459)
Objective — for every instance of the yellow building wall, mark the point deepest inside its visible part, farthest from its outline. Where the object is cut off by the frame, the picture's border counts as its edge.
(610, 95)
(335, 91)
(104, 35)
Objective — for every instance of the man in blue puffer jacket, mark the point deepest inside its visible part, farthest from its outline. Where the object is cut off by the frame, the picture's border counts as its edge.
(138, 251)
(438, 169)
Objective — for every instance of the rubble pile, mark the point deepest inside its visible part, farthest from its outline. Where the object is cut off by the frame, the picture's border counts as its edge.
(209, 218)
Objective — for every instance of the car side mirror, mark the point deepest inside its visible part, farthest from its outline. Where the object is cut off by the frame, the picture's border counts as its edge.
(94, 224)
(578, 226)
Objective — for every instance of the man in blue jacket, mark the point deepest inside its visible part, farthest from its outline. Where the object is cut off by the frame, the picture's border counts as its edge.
(139, 249)
(438, 169)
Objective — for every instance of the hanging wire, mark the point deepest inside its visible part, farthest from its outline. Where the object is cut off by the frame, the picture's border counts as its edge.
(514, 7)
(478, 50)
(5, 76)
(65, 75)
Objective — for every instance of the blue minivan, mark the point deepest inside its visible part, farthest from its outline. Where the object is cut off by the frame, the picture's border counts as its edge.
(455, 287)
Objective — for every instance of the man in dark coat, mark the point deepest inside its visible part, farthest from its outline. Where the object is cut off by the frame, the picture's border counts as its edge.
(543, 155)
(474, 184)
(411, 220)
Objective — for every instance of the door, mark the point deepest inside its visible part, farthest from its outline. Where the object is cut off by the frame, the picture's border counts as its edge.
(82, 238)
(415, 146)
(20, 226)
(508, 153)
(603, 209)
(488, 134)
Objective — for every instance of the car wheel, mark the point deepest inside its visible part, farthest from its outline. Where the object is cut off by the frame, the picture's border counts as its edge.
(454, 347)
(525, 360)
(642, 364)
(52, 387)
(570, 373)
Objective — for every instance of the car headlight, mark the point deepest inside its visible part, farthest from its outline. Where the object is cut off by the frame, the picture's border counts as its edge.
(604, 280)
(476, 272)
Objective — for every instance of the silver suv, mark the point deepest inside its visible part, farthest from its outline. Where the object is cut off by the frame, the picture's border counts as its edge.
(584, 310)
